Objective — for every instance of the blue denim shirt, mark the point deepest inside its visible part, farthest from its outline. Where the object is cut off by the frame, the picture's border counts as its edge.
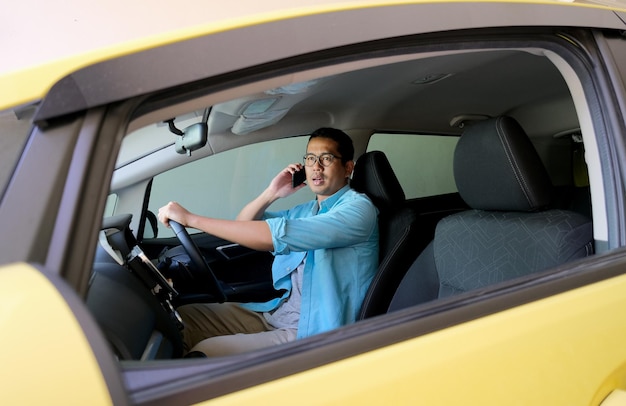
(341, 243)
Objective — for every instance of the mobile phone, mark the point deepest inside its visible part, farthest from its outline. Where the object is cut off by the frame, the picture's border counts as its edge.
(298, 177)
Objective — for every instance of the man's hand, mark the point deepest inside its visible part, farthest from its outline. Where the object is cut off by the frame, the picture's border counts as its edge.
(174, 211)
(280, 186)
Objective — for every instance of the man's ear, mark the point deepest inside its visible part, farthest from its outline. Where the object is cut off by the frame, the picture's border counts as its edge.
(349, 168)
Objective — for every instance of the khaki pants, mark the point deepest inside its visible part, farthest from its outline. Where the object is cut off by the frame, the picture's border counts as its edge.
(226, 328)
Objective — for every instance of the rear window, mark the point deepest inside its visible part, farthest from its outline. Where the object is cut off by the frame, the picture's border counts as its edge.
(422, 163)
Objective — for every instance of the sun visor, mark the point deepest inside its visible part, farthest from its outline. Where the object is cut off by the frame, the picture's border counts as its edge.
(247, 123)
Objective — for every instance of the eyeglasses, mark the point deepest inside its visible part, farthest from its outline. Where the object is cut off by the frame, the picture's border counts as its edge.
(325, 159)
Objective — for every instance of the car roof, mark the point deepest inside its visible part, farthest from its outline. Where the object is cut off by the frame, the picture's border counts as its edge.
(26, 80)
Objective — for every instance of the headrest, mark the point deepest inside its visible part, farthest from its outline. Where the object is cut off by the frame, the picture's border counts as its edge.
(374, 176)
(496, 167)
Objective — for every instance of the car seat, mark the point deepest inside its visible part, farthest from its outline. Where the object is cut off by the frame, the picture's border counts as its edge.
(400, 240)
(508, 232)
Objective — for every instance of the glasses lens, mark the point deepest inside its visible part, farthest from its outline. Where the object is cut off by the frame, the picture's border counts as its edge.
(326, 159)
(309, 160)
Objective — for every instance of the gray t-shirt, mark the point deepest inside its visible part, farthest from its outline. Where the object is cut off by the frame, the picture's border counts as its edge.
(287, 314)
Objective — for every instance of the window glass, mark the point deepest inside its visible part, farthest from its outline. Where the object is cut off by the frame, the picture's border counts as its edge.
(109, 209)
(221, 185)
(422, 163)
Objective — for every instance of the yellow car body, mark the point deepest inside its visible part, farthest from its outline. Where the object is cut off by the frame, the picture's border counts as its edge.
(460, 365)
(30, 338)
(567, 348)
(31, 83)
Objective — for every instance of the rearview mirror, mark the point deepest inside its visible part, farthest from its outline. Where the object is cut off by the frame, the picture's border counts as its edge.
(193, 137)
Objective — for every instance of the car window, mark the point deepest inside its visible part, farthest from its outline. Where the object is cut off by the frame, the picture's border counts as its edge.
(111, 202)
(221, 185)
(14, 129)
(422, 163)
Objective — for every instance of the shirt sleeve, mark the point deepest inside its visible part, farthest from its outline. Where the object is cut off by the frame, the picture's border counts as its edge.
(349, 222)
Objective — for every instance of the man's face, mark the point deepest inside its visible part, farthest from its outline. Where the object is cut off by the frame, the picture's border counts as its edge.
(324, 181)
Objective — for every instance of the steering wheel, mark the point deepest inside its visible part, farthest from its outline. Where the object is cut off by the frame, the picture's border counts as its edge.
(198, 260)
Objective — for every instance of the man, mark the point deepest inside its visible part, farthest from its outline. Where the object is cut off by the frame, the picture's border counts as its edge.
(326, 254)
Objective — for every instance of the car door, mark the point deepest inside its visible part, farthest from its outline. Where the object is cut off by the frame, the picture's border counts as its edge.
(34, 297)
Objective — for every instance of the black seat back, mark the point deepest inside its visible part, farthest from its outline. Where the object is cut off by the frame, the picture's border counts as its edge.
(399, 237)
(508, 232)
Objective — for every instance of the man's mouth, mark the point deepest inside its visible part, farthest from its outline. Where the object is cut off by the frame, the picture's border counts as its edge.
(317, 180)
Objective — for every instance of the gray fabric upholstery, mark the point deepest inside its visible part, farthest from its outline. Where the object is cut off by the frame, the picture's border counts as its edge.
(508, 232)
(478, 248)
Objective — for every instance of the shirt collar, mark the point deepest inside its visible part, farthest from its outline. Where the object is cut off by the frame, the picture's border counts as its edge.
(327, 203)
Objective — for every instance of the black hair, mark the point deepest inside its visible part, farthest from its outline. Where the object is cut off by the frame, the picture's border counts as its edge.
(343, 140)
